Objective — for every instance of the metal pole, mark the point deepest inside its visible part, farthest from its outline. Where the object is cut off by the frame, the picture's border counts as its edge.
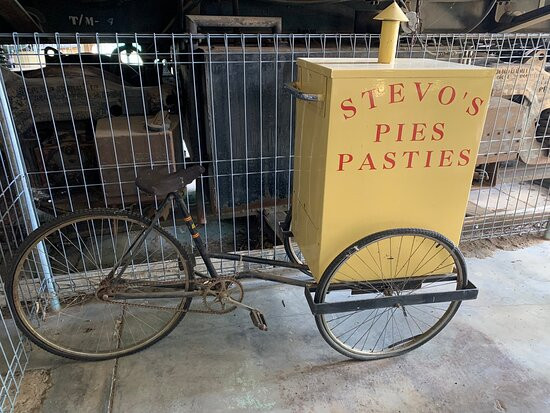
(14, 153)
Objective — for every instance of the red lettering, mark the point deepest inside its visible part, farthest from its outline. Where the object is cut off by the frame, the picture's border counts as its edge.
(341, 160)
(445, 157)
(400, 132)
(474, 109)
(464, 155)
(442, 92)
(379, 131)
(411, 156)
(417, 130)
(428, 159)
(371, 97)
(351, 108)
(396, 92)
(367, 161)
(438, 128)
(421, 94)
(391, 160)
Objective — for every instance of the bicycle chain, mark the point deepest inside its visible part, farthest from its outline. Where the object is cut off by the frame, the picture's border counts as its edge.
(204, 282)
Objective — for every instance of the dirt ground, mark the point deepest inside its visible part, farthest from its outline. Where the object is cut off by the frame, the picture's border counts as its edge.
(33, 390)
(484, 248)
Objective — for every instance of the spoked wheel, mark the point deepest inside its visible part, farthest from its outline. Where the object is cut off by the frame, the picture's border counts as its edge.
(292, 250)
(56, 280)
(390, 263)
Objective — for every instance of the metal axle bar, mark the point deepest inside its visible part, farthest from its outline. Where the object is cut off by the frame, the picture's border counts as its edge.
(468, 293)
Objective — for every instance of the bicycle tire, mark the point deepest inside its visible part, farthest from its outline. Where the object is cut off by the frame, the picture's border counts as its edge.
(325, 281)
(18, 312)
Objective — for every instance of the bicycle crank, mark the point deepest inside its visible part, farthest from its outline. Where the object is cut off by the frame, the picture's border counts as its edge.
(217, 292)
(256, 315)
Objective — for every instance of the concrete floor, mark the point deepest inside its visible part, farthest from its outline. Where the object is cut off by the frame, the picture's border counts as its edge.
(493, 356)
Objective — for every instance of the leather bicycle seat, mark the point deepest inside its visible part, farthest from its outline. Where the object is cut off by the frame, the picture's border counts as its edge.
(160, 182)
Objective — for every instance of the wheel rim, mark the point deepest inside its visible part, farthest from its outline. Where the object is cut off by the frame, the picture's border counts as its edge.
(293, 252)
(378, 268)
(292, 249)
(81, 252)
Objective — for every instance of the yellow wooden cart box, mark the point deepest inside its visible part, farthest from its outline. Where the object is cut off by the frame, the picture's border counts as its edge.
(381, 146)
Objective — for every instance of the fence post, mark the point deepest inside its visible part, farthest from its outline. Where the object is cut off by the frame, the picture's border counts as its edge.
(14, 154)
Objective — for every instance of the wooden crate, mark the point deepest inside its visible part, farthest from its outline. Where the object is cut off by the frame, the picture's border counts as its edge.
(124, 146)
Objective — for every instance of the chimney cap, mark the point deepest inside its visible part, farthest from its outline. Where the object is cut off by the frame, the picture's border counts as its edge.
(392, 13)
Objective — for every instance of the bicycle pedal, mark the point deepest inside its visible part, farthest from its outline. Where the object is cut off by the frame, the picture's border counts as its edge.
(258, 320)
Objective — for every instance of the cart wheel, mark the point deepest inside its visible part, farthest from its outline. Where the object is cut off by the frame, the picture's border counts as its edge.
(292, 251)
(390, 263)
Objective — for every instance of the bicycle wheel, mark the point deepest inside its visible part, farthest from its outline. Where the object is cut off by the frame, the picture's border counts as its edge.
(57, 273)
(389, 263)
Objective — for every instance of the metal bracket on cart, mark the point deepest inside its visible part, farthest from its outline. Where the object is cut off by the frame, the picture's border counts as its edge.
(468, 293)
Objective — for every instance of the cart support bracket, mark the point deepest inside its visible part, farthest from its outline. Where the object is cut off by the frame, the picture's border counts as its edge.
(468, 293)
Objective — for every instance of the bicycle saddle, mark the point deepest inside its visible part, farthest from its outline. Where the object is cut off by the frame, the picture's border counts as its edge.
(160, 182)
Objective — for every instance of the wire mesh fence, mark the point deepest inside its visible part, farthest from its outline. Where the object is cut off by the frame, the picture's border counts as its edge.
(15, 227)
(91, 111)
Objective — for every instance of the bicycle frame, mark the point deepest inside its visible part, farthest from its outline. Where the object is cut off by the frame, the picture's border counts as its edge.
(309, 285)
(118, 269)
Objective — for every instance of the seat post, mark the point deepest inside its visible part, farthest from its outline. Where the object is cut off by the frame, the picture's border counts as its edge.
(188, 219)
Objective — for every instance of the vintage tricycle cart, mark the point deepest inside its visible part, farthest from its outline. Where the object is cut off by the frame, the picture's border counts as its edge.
(384, 156)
